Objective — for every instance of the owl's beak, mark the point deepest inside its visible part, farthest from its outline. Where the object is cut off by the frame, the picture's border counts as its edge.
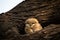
(32, 25)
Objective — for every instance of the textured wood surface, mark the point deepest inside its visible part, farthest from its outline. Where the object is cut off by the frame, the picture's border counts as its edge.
(12, 23)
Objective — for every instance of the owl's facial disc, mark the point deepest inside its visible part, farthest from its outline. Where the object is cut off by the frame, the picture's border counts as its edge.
(32, 26)
(31, 22)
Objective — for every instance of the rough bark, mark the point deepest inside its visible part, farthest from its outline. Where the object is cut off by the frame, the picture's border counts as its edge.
(12, 23)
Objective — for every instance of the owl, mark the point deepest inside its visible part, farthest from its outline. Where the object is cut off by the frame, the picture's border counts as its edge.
(32, 25)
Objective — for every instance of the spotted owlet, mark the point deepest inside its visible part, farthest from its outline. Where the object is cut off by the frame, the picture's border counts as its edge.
(32, 25)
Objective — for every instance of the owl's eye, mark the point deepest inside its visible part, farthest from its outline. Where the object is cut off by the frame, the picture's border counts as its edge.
(33, 23)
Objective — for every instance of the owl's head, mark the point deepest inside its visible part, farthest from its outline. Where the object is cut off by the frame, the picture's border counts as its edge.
(31, 21)
(32, 25)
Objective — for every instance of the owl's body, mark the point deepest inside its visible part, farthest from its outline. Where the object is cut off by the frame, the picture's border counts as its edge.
(32, 26)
